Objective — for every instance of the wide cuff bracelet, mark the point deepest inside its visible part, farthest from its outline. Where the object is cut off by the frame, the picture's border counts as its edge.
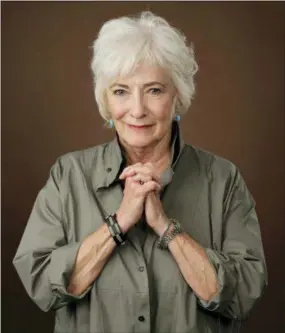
(115, 230)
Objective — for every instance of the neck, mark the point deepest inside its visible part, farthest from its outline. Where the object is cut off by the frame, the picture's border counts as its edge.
(159, 154)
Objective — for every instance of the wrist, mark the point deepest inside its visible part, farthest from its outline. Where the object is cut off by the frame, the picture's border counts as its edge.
(161, 226)
(123, 224)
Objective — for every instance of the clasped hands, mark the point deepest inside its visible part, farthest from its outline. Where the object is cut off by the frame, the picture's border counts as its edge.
(141, 194)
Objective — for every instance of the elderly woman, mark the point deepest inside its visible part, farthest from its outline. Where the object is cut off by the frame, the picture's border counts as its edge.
(145, 233)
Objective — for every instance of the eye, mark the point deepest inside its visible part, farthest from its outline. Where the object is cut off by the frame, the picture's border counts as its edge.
(119, 92)
(155, 91)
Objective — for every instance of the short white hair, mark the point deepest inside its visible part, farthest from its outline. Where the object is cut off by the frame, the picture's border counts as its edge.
(124, 42)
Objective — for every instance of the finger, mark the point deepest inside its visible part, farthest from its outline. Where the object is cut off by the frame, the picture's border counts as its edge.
(133, 166)
(146, 170)
(140, 177)
(123, 172)
(127, 173)
(136, 181)
(149, 187)
(130, 170)
(127, 169)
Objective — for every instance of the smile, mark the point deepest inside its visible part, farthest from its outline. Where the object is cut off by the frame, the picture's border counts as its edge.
(140, 127)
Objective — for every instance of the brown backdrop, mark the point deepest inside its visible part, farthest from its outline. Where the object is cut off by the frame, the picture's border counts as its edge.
(48, 109)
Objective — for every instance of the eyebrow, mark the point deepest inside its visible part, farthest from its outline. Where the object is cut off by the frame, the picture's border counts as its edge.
(152, 83)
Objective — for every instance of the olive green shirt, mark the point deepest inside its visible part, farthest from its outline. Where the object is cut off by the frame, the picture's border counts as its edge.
(141, 288)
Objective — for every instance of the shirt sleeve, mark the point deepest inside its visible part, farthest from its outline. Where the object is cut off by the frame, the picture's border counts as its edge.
(240, 265)
(44, 260)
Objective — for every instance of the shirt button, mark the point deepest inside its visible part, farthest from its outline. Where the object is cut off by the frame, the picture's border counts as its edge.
(141, 318)
(109, 169)
(141, 268)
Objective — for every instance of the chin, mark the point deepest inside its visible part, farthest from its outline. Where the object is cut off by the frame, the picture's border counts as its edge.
(139, 142)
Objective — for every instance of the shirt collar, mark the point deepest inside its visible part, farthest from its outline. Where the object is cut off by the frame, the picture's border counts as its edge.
(112, 162)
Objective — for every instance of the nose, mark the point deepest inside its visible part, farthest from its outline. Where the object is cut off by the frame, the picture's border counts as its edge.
(137, 107)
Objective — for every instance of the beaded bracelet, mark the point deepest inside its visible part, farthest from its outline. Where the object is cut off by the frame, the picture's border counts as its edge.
(169, 234)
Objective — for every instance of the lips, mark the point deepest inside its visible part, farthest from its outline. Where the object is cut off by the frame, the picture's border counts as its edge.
(139, 126)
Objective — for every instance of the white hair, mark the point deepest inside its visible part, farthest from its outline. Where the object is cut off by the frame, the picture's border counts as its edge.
(124, 42)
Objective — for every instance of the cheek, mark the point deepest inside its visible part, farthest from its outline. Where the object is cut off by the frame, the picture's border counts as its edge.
(164, 110)
(119, 113)
(116, 108)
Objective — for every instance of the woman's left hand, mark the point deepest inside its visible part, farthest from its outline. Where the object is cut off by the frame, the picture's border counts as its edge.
(154, 212)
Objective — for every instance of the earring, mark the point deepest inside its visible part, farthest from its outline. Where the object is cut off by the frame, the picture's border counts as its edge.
(111, 123)
(177, 117)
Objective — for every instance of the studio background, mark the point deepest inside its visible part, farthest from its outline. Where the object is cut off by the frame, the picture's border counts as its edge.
(48, 109)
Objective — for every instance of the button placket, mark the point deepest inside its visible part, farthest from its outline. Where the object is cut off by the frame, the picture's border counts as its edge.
(141, 307)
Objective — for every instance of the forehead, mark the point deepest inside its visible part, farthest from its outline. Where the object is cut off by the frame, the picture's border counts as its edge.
(143, 74)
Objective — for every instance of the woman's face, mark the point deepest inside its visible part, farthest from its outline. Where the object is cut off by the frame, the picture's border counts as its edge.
(142, 106)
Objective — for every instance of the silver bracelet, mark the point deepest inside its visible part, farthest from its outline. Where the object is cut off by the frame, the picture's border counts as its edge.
(169, 234)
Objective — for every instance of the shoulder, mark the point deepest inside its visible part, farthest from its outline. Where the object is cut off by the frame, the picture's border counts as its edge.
(213, 165)
(84, 159)
(221, 172)
(84, 156)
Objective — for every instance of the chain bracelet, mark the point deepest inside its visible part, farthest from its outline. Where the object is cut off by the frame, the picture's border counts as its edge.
(169, 234)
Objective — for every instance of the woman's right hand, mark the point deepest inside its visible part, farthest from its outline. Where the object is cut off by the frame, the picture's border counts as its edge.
(135, 193)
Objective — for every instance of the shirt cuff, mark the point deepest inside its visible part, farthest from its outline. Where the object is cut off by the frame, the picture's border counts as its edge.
(225, 293)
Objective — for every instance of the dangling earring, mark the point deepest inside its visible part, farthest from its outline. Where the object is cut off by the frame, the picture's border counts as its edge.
(177, 117)
(111, 123)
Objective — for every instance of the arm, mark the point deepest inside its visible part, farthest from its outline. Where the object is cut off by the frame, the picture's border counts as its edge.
(91, 259)
(229, 281)
(53, 271)
(195, 266)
